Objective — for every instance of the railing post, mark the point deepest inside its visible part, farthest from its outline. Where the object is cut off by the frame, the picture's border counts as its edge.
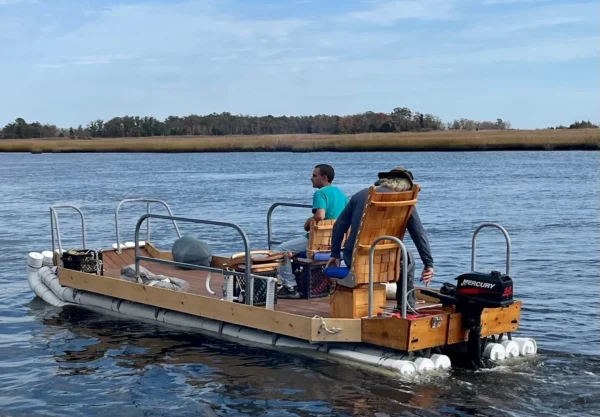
(404, 272)
(148, 222)
(247, 273)
(52, 231)
(270, 213)
(147, 201)
(136, 248)
(506, 237)
(54, 224)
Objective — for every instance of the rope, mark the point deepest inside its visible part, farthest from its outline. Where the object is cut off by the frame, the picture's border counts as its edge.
(333, 330)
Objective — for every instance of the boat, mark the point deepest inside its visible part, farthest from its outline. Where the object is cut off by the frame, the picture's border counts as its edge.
(345, 314)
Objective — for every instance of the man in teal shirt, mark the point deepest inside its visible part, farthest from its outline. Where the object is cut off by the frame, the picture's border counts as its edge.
(328, 202)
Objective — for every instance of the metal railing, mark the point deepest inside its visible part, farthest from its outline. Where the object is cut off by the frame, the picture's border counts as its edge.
(270, 240)
(506, 237)
(55, 225)
(147, 201)
(404, 272)
(249, 297)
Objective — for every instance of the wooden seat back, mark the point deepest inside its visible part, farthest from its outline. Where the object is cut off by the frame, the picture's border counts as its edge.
(384, 214)
(319, 239)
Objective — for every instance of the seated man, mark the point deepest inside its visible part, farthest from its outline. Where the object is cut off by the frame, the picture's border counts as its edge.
(328, 203)
(396, 180)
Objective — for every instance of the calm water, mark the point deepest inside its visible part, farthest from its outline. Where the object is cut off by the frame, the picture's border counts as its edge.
(74, 362)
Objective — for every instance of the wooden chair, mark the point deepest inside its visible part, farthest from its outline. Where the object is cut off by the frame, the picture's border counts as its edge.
(384, 214)
(319, 240)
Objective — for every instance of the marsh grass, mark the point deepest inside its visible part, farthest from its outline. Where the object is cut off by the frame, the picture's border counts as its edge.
(421, 141)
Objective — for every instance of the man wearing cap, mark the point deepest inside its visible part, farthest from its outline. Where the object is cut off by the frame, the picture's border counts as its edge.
(397, 180)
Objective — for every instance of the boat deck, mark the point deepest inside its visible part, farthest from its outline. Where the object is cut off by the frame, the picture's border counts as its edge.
(113, 261)
(295, 318)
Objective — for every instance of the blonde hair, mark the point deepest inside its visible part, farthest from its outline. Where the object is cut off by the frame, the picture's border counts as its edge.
(395, 184)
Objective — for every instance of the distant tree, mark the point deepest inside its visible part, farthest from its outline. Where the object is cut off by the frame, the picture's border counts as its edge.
(401, 119)
(583, 125)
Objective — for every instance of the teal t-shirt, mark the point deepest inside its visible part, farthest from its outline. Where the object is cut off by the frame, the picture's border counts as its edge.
(331, 199)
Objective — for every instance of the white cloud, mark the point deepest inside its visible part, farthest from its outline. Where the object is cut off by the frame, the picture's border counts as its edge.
(536, 18)
(9, 2)
(494, 2)
(51, 66)
(389, 12)
(101, 59)
(199, 56)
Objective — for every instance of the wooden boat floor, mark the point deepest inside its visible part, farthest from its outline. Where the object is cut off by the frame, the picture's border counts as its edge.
(113, 261)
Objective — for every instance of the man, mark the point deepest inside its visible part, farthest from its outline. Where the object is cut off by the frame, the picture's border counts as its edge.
(396, 180)
(328, 203)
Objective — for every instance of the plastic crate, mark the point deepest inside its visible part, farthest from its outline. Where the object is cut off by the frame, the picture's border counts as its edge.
(260, 287)
(311, 279)
(86, 260)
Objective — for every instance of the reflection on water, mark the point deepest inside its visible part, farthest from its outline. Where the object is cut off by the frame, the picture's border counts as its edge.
(72, 361)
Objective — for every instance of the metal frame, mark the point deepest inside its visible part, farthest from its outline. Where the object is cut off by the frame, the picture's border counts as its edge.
(269, 215)
(247, 274)
(147, 201)
(506, 237)
(404, 272)
(54, 224)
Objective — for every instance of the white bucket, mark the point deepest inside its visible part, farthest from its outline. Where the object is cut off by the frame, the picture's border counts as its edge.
(511, 348)
(48, 258)
(527, 346)
(424, 365)
(494, 351)
(441, 361)
(404, 367)
(35, 260)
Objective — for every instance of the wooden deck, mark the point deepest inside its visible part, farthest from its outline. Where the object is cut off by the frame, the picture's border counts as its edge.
(113, 261)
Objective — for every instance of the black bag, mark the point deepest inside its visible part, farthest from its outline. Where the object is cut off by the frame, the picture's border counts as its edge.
(87, 260)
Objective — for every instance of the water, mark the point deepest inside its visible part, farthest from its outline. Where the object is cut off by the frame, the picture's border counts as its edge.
(74, 362)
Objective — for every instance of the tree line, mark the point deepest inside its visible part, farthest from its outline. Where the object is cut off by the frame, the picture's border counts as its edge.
(584, 124)
(401, 119)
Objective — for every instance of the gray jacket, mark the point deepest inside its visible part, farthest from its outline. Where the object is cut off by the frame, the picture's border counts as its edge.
(351, 216)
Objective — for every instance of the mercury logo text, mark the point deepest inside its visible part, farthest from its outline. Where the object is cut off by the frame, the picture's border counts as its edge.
(477, 284)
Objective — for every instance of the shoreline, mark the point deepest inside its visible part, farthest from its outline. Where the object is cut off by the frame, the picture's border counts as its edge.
(437, 141)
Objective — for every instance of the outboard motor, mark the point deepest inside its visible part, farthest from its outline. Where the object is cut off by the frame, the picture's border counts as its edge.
(473, 292)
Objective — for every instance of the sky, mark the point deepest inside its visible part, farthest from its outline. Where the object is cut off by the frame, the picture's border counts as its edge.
(534, 63)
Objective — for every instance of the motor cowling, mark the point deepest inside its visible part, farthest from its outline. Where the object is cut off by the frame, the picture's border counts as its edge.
(473, 292)
(488, 290)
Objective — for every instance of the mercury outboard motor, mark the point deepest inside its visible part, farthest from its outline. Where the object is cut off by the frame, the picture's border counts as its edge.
(473, 292)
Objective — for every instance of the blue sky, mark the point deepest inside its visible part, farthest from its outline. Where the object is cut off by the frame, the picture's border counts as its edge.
(532, 62)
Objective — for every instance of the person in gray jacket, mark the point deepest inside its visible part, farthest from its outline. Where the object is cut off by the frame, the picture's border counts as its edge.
(397, 180)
